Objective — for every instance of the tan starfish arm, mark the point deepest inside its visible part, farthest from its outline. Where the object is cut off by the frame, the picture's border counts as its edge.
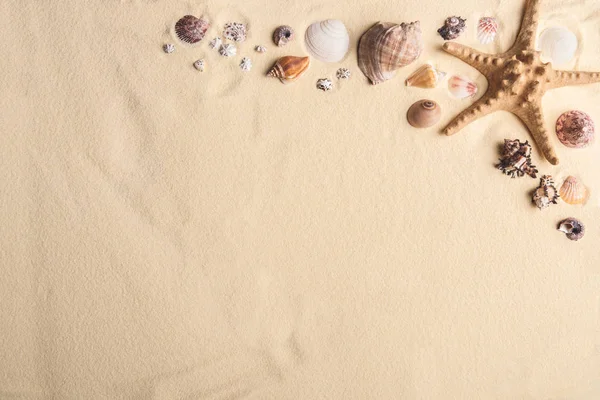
(476, 59)
(527, 35)
(480, 108)
(569, 78)
(533, 119)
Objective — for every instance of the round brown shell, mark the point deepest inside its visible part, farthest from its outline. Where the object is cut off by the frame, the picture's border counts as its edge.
(424, 113)
(575, 129)
(190, 29)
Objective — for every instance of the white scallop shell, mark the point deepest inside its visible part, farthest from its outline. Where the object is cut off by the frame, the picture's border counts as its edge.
(246, 64)
(462, 87)
(487, 29)
(327, 41)
(558, 45)
(227, 50)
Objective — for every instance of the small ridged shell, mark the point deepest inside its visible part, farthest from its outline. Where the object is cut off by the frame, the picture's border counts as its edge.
(324, 84)
(289, 68)
(227, 50)
(572, 227)
(386, 46)
(453, 27)
(487, 28)
(425, 77)
(424, 113)
(235, 31)
(575, 129)
(558, 45)
(573, 191)
(327, 41)
(190, 29)
(343, 73)
(169, 48)
(283, 35)
(462, 87)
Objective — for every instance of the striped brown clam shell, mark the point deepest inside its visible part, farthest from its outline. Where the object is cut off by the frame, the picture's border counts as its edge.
(190, 29)
(289, 68)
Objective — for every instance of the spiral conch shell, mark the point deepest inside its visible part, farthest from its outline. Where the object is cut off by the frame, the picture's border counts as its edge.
(289, 68)
(386, 46)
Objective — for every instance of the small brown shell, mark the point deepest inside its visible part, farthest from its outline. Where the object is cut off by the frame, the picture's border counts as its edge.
(573, 191)
(572, 227)
(424, 113)
(283, 35)
(575, 129)
(289, 68)
(190, 29)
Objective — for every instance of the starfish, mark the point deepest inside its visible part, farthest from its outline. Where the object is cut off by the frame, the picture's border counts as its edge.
(517, 81)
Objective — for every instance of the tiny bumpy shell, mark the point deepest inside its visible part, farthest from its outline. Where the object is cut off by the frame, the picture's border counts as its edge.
(487, 28)
(573, 228)
(424, 113)
(575, 129)
(462, 87)
(227, 50)
(283, 35)
(343, 73)
(385, 47)
(324, 85)
(235, 31)
(190, 29)
(169, 48)
(425, 77)
(327, 41)
(573, 191)
(453, 27)
(289, 68)
(546, 193)
(199, 65)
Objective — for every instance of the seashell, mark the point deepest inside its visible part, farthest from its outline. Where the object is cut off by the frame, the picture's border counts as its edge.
(283, 35)
(260, 49)
(227, 50)
(573, 191)
(546, 193)
(425, 77)
(215, 43)
(343, 73)
(424, 113)
(190, 29)
(327, 41)
(573, 228)
(199, 65)
(324, 85)
(289, 68)
(575, 129)
(169, 48)
(453, 27)
(235, 31)
(487, 28)
(386, 46)
(462, 87)
(558, 45)
(515, 160)
(246, 64)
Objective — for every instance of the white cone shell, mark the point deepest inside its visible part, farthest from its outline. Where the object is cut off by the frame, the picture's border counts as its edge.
(327, 41)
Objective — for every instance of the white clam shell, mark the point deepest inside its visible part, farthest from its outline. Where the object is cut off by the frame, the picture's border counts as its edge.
(487, 29)
(327, 41)
(558, 45)
(462, 87)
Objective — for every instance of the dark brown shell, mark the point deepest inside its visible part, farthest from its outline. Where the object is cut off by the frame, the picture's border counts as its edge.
(190, 29)
(453, 27)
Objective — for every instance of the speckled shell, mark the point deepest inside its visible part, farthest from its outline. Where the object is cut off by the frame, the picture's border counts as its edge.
(327, 41)
(424, 113)
(169, 48)
(190, 29)
(572, 227)
(289, 68)
(425, 77)
(227, 50)
(343, 73)
(283, 35)
(386, 46)
(573, 191)
(453, 28)
(235, 31)
(487, 28)
(575, 129)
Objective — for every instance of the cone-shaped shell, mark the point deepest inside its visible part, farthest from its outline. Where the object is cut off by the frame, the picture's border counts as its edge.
(573, 191)
(426, 77)
(289, 68)
(386, 46)
(424, 113)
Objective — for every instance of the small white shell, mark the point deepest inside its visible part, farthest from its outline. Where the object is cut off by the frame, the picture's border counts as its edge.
(227, 50)
(199, 65)
(462, 87)
(487, 29)
(558, 45)
(169, 48)
(246, 64)
(260, 49)
(327, 41)
(235, 31)
(215, 43)
(324, 85)
(343, 73)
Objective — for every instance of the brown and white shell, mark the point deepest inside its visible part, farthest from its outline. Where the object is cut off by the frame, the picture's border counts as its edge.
(424, 113)
(575, 129)
(190, 29)
(573, 191)
(386, 46)
(546, 193)
(283, 35)
(572, 227)
(289, 68)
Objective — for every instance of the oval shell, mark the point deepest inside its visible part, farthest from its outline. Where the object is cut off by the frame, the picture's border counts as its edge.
(190, 29)
(426, 77)
(575, 129)
(424, 113)
(572, 227)
(487, 28)
(573, 191)
(289, 68)
(328, 40)
(199, 65)
(558, 45)
(215, 43)
(462, 87)
(386, 46)
(283, 35)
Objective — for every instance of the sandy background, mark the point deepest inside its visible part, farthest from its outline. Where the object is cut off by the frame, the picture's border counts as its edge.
(170, 234)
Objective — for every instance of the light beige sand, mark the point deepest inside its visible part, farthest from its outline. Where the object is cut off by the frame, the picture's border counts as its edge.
(170, 234)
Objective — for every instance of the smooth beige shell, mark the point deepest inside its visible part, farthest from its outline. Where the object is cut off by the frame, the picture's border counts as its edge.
(426, 77)
(386, 46)
(289, 68)
(573, 191)
(424, 113)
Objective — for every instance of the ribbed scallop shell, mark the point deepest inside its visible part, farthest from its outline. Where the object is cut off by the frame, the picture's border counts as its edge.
(424, 113)
(289, 68)
(575, 129)
(190, 29)
(573, 191)
(328, 40)
(426, 77)
(462, 87)
(487, 28)
(386, 46)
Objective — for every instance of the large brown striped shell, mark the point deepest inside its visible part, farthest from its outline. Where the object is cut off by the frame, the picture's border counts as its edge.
(190, 29)
(386, 46)
(289, 68)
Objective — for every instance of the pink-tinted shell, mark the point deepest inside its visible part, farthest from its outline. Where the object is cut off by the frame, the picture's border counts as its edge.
(575, 129)
(190, 29)
(487, 29)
